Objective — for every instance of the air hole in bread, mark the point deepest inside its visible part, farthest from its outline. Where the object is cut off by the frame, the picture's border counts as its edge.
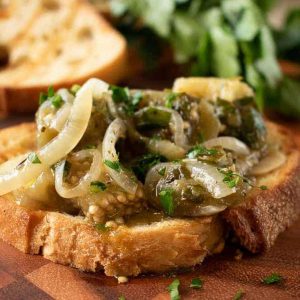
(4, 56)
(50, 5)
(85, 33)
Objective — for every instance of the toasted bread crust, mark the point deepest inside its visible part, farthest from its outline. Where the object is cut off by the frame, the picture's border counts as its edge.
(158, 247)
(20, 93)
(258, 221)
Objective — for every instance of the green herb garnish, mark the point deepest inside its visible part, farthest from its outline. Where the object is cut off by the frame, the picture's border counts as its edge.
(143, 164)
(57, 101)
(97, 186)
(129, 102)
(173, 290)
(239, 295)
(101, 227)
(33, 158)
(162, 171)
(200, 150)
(231, 179)
(272, 279)
(196, 283)
(115, 165)
(263, 187)
(122, 298)
(90, 146)
(74, 89)
(170, 98)
(167, 201)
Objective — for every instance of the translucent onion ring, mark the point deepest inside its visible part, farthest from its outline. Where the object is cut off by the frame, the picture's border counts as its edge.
(210, 178)
(274, 160)
(82, 187)
(229, 143)
(62, 144)
(116, 130)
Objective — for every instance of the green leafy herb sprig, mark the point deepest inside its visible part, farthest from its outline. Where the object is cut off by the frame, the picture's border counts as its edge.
(223, 38)
(55, 99)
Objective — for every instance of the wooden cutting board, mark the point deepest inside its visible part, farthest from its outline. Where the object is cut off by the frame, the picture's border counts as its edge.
(32, 277)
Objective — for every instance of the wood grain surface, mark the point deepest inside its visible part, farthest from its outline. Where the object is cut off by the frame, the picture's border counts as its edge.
(32, 277)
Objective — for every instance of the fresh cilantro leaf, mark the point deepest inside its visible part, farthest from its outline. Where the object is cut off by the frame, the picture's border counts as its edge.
(33, 158)
(263, 187)
(129, 102)
(196, 283)
(90, 146)
(272, 279)
(57, 101)
(143, 164)
(162, 171)
(173, 288)
(101, 227)
(200, 150)
(239, 295)
(97, 186)
(231, 179)
(119, 94)
(170, 98)
(51, 92)
(74, 89)
(167, 201)
(115, 165)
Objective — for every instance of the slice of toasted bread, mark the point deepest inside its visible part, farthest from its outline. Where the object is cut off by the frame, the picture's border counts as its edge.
(156, 247)
(258, 221)
(59, 43)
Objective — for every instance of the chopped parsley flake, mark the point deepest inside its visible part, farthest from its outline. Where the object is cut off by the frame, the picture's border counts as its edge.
(56, 100)
(272, 279)
(263, 187)
(33, 158)
(196, 283)
(97, 186)
(90, 146)
(231, 179)
(167, 201)
(173, 290)
(170, 98)
(143, 164)
(200, 150)
(162, 171)
(101, 227)
(129, 102)
(74, 89)
(239, 295)
(115, 165)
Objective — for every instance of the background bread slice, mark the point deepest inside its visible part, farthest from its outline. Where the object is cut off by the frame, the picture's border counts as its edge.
(60, 43)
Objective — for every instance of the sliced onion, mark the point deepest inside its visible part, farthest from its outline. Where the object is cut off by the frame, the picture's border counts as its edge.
(82, 187)
(12, 163)
(210, 178)
(274, 160)
(66, 95)
(229, 143)
(166, 148)
(176, 125)
(116, 130)
(62, 144)
(61, 116)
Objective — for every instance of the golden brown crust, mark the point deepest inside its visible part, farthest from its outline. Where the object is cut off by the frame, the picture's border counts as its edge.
(258, 221)
(158, 247)
(18, 96)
